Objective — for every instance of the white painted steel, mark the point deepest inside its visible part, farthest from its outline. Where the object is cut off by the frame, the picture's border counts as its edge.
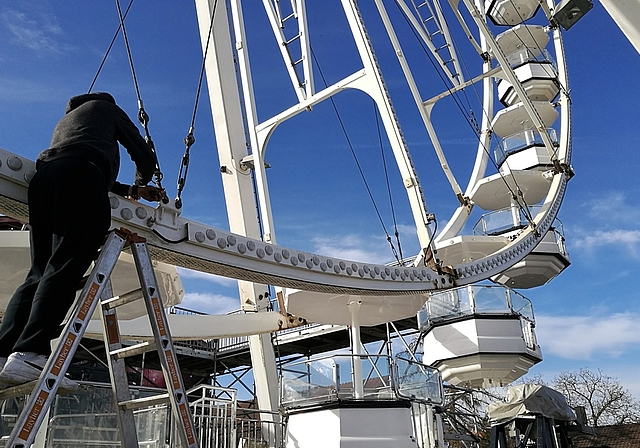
(516, 118)
(200, 327)
(233, 107)
(533, 37)
(334, 308)
(560, 153)
(425, 111)
(625, 13)
(181, 242)
(496, 191)
(351, 428)
(538, 79)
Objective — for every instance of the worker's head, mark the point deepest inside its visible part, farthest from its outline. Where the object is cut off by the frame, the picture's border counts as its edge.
(79, 100)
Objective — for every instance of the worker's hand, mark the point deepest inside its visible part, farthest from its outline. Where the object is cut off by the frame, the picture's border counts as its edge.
(151, 193)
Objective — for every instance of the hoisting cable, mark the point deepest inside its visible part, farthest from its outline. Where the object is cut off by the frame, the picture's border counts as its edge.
(143, 117)
(355, 158)
(190, 139)
(386, 175)
(106, 54)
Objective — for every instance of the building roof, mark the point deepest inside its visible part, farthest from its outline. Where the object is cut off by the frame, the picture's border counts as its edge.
(614, 436)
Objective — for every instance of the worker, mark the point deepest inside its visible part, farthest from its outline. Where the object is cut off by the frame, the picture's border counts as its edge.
(69, 216)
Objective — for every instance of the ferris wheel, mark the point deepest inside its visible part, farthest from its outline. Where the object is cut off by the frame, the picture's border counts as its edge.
(520, 170)
(523, 139)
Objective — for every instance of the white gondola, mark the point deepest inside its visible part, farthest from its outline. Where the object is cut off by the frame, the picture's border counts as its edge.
(524, 47)
(543, 264)
(479, 336)
(511, 12)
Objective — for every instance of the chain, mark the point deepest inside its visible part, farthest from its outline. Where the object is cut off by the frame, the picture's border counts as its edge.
(143, 117)
(190, 139)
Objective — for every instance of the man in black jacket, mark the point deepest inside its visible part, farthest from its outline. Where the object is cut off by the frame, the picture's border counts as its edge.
(69, 216)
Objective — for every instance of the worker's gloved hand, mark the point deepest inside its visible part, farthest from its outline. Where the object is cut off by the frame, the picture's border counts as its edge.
(151, 193)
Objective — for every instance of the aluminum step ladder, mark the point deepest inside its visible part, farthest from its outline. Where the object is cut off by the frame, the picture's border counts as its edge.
(98, 289)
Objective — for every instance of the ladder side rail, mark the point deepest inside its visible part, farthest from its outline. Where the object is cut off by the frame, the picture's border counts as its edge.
(166, 352)
(118, 373)
(40, 400)
(428, 41)
(277, 26)
(446, 43)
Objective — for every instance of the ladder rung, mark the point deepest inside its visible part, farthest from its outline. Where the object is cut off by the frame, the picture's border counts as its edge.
(114, 302)
(16, 391)
(139, 403)
(26, 389)
(293, 39)
(134, 350)
(290, 16)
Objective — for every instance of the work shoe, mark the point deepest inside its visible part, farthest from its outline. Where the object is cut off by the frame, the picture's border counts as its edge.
(24, 367)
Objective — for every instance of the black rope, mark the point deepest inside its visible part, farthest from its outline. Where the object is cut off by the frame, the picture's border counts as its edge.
(386, 175)
(429, 249)
(167, 240)
(190, 139)
(106, 54)
(143, 117)
(126, 43)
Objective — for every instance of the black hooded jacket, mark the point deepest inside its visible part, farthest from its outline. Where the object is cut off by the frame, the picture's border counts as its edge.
(91, 129)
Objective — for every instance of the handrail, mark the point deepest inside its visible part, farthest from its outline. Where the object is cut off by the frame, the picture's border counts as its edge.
(473, 300)
(320, 380)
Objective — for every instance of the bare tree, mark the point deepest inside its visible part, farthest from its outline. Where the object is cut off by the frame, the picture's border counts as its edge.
(605, 400)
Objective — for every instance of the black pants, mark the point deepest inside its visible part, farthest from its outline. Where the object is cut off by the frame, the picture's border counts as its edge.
(69, 216)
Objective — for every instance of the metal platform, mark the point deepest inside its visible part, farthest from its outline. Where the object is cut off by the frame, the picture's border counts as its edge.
(205, 358)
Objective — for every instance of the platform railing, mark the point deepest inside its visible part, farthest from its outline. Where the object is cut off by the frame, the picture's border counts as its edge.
(416, 381)
(473, 300)
(520, 141)
(329, 378)
(86, 418)
(524, 55)
(500, 222)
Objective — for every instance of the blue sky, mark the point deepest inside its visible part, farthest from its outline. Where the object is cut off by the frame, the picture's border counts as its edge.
(587, 317)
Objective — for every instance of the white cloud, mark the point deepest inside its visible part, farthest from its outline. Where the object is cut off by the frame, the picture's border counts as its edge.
(36, 33)
(600, 238)
(217, 279)
(612, 207)
(584, 337)
(210, 303)
(354, 248)
(613, 224)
